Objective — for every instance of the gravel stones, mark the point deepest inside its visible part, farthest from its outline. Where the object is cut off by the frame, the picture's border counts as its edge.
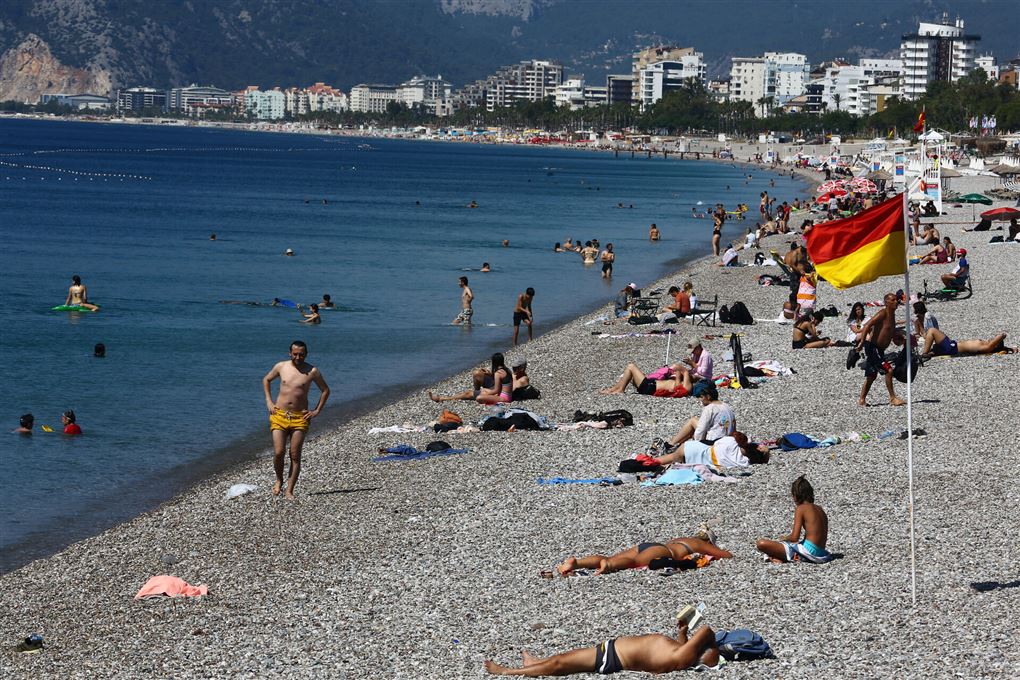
(424, 569)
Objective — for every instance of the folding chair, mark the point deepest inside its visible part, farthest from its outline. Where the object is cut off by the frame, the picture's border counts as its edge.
(705, 315)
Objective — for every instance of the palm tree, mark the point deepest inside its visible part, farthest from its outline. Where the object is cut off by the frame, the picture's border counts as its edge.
(837, 98)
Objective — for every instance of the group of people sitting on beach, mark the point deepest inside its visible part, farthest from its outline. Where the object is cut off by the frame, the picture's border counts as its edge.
(495, 385)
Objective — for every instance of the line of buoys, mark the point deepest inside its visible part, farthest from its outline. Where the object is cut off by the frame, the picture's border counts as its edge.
(80, 173)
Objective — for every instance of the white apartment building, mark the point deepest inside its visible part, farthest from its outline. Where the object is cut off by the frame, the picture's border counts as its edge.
(651, 55)
(268, 105)
(874, 95)
(776, 77)
(657, 79)
(195, 100)
(987, 64)
(372, 98)
(295, 101)
(425, 92)
(875, 68)
(936, 52)
(322, 97)
(570, 93)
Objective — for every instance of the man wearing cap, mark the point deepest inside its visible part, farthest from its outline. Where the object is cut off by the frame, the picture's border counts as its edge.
(700, 361)
(621, 308)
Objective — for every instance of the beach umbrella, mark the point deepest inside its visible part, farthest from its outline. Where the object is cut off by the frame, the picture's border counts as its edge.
(1001, 214)
(919, 196)
(975, 198)
(879, 176)
(827, 186)
(863, 185)
(1003, 169)
(948, 173)
(824, 198)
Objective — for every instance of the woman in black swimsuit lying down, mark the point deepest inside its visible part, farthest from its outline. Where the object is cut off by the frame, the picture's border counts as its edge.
(641, 555)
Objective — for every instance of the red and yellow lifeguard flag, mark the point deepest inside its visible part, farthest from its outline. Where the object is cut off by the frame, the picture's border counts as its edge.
(919, 125)
(861, 248)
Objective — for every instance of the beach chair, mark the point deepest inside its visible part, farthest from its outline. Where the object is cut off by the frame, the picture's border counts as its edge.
(945, 294)
(705, 315)
(788, 274)
(644, 309)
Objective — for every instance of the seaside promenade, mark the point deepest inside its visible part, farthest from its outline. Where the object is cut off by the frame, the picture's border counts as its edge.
(424, 569)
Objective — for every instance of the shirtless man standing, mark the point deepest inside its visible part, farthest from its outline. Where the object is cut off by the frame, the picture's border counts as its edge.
(78, 294)
(466, 296)
(289, 416)
(653, 653)
(882, 329)
(522, 312)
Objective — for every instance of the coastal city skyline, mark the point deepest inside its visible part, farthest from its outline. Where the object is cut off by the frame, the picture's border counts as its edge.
(941, 49)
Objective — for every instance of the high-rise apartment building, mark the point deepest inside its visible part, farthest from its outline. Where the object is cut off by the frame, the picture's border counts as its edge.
(141, 98)
(372, 98)
(659, 78)
(650, 55)
(425, 92)
(936, 52)
(768, 81)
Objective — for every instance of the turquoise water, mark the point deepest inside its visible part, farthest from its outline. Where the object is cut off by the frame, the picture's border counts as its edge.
(381, 225)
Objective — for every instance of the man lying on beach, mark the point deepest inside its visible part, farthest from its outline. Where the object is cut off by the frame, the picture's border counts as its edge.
(289, 416)
(731, 451)
(671, 381)
(652, 653)
(879, 331)
(937, 343)
(643, 554)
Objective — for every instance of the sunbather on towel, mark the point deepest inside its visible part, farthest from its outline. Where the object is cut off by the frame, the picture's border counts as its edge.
(652, 653)
(937, 343)
(641, 555)
(676, 383)
(726, 452)
(808, 519)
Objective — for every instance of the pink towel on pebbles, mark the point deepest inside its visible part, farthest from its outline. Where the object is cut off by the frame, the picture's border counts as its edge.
(169, 586)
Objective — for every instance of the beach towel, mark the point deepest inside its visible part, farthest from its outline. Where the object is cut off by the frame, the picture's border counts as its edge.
(600, 481)
(240, 490)
(675, 477)
(169, 586)
(795, 440)
(395, 429)
(402, 452)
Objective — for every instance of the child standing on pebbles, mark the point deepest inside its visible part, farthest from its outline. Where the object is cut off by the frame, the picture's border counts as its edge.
(809, 519)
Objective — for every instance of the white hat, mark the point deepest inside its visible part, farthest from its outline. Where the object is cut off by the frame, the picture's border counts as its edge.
(632, 286)
(289, 252)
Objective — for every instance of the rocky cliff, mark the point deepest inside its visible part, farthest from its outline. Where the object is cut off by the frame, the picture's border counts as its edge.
(29, 70)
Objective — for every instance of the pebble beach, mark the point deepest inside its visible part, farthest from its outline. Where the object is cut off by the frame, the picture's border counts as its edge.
(424, 569)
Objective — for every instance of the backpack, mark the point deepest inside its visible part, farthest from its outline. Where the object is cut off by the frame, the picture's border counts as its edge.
(742, 645)
(795, 440)
(617, 418)
(737, 314)
(525, 393)
(900, 365)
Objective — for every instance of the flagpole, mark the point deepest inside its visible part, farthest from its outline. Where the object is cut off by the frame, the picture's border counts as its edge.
(910, 414)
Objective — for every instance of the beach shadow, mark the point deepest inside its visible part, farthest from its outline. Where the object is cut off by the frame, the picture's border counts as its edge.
(988, 586)
(927, 401)
(336, 491)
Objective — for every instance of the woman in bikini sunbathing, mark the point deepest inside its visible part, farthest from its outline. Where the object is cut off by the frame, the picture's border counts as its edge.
(642, 554)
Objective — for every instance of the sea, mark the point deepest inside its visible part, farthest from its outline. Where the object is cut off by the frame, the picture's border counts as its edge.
(382, 225)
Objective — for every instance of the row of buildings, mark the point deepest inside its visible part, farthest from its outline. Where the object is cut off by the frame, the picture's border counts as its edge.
(773, 81)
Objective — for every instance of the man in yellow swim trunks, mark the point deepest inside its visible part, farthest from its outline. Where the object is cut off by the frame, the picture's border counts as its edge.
(289, 416)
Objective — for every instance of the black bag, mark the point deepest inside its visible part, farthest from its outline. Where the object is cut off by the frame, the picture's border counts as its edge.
(900, 365)
(525, 393)
(584, 416)
(737, 314)
(438, 445)
(518, 421)
(738, 361)
(997, 239)
(617, 418)
(852, 357)
(641, 320)
(635, 467)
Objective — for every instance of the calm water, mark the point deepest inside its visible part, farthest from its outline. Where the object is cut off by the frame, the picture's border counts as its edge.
(130, 209)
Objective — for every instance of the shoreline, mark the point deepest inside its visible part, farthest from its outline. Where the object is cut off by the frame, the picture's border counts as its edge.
(245, 449)
(424, 569)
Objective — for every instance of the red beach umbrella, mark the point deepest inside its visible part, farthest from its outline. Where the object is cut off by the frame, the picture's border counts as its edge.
(826, 187)
(824, 198)
(1001, 214)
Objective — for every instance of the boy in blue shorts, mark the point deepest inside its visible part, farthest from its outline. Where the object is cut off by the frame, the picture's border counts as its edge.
(809, 519)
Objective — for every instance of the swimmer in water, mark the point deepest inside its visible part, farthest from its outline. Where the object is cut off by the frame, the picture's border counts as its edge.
(212, 237)
(327, 302)
(313, 314)
(653, 233)
(99, 351)
(289, 252)
(506, 243)
(473, 204)
(485, 267)
(78, 295)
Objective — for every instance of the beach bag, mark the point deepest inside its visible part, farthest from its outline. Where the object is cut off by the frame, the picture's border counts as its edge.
(617, 418)
(636, 320)
(449, 417)
(742, 645)
(526, 393)
(737, 314)
(795, 440)
(585, 416)
(997, 239)
(900, 365)
(437, 445)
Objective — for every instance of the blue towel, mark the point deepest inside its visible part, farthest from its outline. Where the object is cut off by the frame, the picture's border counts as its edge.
(604, 481)
(675, 477)
(404, 452)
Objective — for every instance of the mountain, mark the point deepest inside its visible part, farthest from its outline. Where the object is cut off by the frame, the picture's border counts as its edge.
(234, 43)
